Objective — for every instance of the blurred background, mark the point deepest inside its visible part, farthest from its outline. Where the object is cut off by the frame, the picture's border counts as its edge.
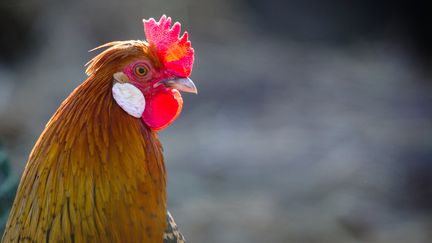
(313, 123)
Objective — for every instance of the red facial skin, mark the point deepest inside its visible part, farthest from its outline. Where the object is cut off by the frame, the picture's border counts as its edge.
(163, 105)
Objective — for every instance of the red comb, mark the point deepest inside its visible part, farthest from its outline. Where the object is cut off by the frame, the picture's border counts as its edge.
(174, 51)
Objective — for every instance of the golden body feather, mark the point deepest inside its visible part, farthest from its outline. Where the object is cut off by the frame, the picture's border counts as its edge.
(96, 174)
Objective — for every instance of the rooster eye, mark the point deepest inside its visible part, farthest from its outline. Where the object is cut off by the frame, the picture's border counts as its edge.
(141, 70)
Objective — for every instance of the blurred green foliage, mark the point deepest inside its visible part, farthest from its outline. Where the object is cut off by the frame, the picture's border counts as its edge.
(8, 186)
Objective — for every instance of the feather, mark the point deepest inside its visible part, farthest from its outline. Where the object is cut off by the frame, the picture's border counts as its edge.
(67, 194)
(172, 233)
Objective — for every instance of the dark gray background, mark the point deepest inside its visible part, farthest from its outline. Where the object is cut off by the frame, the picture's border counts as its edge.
(312, 123)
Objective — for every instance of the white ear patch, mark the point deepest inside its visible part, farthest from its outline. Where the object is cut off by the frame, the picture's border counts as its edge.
(129, 98)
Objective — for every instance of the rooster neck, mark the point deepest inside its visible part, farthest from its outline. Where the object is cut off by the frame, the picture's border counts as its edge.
(96, 174)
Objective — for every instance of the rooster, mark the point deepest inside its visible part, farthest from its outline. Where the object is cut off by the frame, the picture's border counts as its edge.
(96, 173)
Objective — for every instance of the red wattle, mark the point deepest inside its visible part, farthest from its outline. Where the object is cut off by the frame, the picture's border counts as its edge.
(162, 108)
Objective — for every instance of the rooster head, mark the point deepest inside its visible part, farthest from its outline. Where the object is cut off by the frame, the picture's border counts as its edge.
(146, 76)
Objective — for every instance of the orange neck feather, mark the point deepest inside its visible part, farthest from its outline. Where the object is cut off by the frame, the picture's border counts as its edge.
(96, 174)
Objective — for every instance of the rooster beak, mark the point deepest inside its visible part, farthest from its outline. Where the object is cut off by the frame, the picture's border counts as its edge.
(181, 84)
